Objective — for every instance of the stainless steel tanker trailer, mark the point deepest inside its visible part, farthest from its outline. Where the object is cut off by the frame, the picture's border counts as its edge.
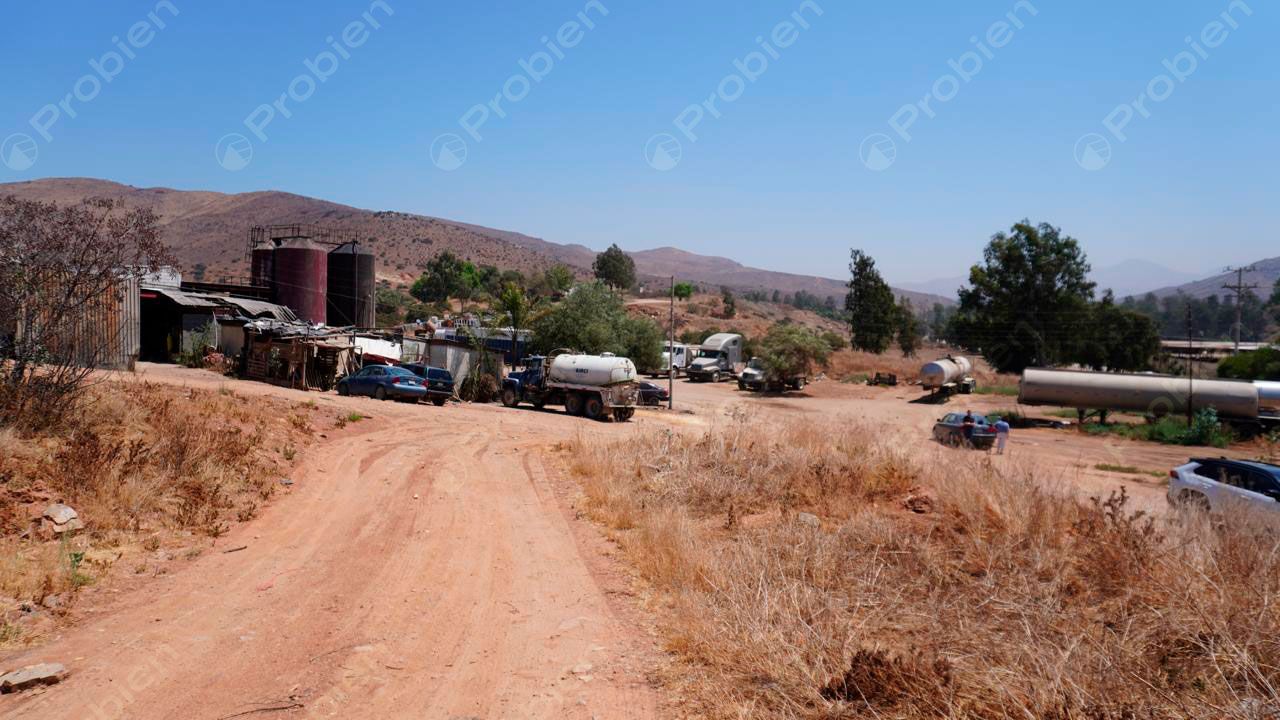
(1150, 394)
(595, 386)
(949, 374)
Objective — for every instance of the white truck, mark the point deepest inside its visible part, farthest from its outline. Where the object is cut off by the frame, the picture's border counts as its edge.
(719, 358)
(595, 386)
(677, 356)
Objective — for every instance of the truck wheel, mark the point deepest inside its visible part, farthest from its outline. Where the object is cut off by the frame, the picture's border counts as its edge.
(800, 384)
(594, 408)
(715, 377)
(742, 385)
(623, 414)
(573, 404)
(510, 398)
(439, 402)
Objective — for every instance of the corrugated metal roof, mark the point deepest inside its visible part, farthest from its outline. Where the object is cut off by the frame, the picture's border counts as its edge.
(185, 299)
(258, 308)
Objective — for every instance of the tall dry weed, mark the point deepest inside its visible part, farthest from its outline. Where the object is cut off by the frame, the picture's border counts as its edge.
(135, 458)
(1009, 599)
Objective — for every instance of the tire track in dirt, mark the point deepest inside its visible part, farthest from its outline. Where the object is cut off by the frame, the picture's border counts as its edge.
(418, 568)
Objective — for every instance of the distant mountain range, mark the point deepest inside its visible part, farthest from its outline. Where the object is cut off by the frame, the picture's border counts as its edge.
(1264, 275)
(1136, 278)
(210, 230)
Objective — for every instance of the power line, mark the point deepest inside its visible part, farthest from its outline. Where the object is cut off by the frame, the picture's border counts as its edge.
(1239, 289)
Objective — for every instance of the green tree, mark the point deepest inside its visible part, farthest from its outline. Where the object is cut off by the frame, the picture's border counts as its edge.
(1263, 364)
(442, 280)
(684, 290)
(730, 304)
(1028, 303)
(1117, 339)
(908, 328)
(593, 319)
(788, 350)
(615, 268)
(559, 278)
(835, 341)
(869, 305)
(513, 305)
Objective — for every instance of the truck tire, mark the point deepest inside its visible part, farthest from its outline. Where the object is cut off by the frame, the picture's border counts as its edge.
(715, 376)
(799, 385)
(594, 407)
(573, 403)
(623, 414)
(510, 398)
(742, 385)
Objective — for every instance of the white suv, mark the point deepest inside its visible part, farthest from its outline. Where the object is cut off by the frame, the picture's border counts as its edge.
(1221, 485)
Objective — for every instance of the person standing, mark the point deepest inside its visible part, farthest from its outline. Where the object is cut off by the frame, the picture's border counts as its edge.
(968, 427)
(1002, 435)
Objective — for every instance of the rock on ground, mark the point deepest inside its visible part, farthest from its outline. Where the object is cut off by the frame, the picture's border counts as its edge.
(32, 676)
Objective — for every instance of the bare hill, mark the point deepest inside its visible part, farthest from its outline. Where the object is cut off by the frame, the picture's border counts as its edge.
(211, 229)
(1264, 275)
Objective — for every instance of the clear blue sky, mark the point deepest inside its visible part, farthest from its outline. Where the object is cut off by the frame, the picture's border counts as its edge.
(778, 180)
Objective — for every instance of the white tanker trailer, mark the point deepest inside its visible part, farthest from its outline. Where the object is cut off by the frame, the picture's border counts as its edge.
(1152, 394)
(949, 374)
(596, 386)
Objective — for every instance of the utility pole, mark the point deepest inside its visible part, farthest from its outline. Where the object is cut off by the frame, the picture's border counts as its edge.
(671, 351)
(1239, 289)
(1191, 365)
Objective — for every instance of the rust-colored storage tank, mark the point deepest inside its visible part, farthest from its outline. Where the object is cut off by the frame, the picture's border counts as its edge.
(260, 271)
(301, 270)
(351, 286)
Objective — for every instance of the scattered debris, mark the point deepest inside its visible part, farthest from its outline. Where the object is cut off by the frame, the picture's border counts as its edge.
(99, 556)
(808, 519)
(235, 549)
(32, 676)
(919, 501)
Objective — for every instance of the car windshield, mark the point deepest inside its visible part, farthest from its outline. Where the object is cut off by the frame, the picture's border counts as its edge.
(755, 364)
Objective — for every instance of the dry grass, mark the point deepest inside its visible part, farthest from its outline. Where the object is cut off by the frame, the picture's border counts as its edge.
(848, 363)
(138, 461)
(1003, 600)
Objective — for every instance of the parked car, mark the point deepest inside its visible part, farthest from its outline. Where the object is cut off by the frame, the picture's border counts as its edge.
(383, 382)
(438, 381)
(652, 393)
(950, 431)
(1222, 486)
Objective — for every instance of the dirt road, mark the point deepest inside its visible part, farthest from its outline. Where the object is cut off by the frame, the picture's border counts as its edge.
(422, 567)
(427, 563)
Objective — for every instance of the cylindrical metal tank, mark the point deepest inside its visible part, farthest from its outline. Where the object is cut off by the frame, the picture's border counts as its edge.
(947, 370)
(1268, 394)
(591, 370)
(1155, 394)
(351, 286)
(301, 270)
(260, 270)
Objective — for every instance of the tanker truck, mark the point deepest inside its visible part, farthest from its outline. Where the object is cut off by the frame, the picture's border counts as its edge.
(948, 375)
(596, 386)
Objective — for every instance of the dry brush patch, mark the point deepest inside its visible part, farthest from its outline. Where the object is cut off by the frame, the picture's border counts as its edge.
(1004, 599)
(141, 464)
